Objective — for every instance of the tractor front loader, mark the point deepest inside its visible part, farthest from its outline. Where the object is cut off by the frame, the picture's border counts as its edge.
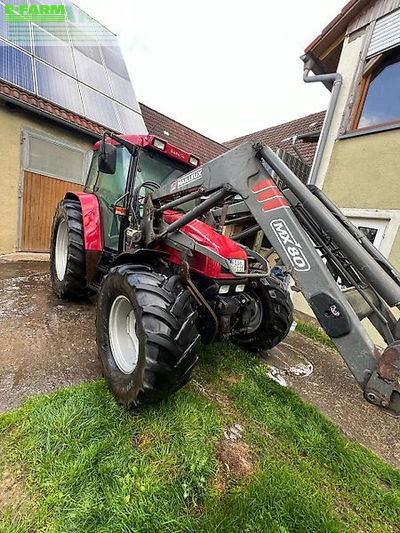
(168, 277)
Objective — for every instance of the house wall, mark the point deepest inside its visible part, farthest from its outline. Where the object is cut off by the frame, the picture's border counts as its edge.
(12, 121)
(361, 174)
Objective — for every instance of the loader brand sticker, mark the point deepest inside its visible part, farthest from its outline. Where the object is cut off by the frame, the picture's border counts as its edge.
(186, 180)
(292, 248)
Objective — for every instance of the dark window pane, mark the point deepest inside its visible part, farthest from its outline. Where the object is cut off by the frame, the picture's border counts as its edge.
(382, 103)
(16, 66)
(370, 233)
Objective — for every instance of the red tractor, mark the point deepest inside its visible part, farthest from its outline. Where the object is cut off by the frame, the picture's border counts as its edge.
(157, 300)
(147, 236)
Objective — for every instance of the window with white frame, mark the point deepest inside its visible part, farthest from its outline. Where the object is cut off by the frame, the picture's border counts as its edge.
(373, 228)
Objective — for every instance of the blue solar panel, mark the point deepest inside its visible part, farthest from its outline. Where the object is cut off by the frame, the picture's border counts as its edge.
(16, 66)
(99, 108)
(91, 72)
(77, 62)
(53, 50)
(17, 2)
(114, 61)
(58, 87)
(131, 121)
(123, 91)
(16, 32)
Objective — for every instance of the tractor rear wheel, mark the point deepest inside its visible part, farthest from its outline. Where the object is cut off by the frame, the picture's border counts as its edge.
(67, 251)
(145, 333)
(272, 319)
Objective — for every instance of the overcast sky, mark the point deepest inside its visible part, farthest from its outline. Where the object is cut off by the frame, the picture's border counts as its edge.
(222, 67)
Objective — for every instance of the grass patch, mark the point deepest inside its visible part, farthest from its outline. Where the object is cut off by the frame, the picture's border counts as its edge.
(85, 464)
(314, 332)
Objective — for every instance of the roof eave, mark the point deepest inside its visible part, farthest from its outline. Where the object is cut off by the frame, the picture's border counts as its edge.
(25, 105)
(335, 29)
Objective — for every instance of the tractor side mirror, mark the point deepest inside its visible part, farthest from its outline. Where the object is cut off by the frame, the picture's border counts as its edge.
(107, 158)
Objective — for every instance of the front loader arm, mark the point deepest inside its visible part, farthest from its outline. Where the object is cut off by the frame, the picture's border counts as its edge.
(241, 171)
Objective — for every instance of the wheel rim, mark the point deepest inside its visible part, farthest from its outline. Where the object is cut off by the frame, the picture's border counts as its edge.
(122, 333)
(257, 316)
(61, 254)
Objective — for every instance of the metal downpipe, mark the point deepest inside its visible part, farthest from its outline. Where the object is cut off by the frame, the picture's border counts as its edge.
(337, 80)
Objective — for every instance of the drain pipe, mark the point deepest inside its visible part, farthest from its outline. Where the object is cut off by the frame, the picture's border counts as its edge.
(337, 80)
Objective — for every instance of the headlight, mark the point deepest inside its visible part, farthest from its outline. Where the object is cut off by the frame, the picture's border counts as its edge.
(224, 289)
(238, 265)
(240, 287)
(159, 144)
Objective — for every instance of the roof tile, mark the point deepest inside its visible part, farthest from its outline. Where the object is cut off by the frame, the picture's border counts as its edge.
(181, 136)
(274, 136)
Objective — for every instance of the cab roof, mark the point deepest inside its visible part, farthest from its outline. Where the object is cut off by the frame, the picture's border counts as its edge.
(158, 144)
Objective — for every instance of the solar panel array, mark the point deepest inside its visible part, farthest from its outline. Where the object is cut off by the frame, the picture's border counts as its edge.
(75, 63)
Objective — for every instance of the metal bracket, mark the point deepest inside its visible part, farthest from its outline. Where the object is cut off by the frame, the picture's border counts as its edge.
(383, 387)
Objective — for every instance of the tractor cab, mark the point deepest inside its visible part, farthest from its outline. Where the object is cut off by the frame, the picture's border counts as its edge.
(121, 175)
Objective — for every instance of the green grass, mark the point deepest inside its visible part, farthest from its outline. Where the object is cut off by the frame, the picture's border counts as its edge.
(313, 332)
(86, 465)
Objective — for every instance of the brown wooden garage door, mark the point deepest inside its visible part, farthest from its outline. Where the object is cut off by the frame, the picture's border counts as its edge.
(40, 198)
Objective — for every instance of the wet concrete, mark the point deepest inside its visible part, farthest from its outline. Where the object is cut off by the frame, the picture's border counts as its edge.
(45, 343)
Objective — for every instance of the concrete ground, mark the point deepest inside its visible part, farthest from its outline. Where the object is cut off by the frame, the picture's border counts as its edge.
(47, 344)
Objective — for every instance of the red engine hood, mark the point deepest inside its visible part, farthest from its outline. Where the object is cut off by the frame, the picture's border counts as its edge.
(206, 236)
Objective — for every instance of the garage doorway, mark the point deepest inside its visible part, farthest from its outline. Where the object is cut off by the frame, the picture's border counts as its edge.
(40, 199)
(50, 169)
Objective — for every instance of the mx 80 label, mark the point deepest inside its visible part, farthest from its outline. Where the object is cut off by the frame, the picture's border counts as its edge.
(292, 248)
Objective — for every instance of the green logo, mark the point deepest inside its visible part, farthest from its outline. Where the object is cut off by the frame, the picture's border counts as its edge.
(35, 13)
(52, 25)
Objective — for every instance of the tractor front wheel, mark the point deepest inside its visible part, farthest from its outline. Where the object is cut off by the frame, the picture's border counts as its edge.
(145, 332)
(272, 317)
(67, 251)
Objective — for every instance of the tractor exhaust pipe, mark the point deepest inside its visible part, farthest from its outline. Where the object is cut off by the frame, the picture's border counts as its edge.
(368, 266)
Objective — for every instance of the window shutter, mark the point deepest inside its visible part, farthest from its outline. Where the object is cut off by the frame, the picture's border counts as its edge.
(386, 33)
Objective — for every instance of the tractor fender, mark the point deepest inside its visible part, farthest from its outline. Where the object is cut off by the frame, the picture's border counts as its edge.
(141, 255)
(91, 229)
(91, 219)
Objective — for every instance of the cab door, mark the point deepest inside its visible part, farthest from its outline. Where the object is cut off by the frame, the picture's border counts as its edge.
(108, 188)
